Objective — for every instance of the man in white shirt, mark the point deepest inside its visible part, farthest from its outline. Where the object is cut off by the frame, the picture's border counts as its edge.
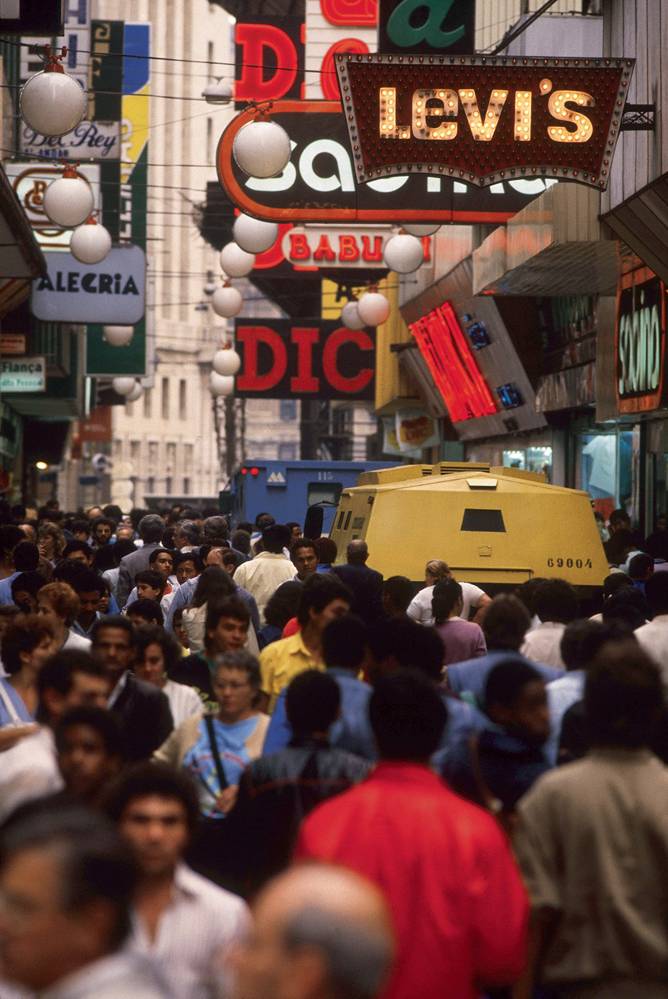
(556, 605)
(653, 636)
(264, 574)
(183, 921)
(473, 597)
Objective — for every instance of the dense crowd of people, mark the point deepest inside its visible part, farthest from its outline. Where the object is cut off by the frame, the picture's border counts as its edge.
(240, 763)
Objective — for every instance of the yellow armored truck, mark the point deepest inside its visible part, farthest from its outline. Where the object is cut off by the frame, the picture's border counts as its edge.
(493, 526)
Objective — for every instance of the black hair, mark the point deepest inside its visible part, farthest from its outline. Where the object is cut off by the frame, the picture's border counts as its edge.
(148, 780)
(410, 644)
(181, 557)
(302, 543)
(158, 636)
(24, 633)
(623, 696)
(104, 558)
(326, 550)
(656, 592)
(399, 591)
(526, 592)
(506, 680)
(619, 516)
(104, 520)
(640, 565)
(107, 725)
(160, 551)
(28, 582)
(407, 716)
(282, 604)
(276, 537)
(556, 600)
(149, 610)
(233, 607)
(154, 579)
(78, 525)
(241, 541)
(312, 702)
(213, 584)
(86, 581)
(76, 546)
(113, 621)
(506, 622)
(25, 556)
(10, 536)
(628, 606)
(318, 591)
(57, 672)
(582, 640)
(344, 643)
(615, 581)
(447, 593)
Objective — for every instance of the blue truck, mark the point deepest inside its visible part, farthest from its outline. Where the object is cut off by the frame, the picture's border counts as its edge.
(287, 489)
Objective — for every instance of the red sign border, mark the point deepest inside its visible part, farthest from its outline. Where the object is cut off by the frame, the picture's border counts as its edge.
(600, 182)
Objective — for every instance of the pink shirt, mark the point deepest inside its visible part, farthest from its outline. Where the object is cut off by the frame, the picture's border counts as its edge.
(462, 640)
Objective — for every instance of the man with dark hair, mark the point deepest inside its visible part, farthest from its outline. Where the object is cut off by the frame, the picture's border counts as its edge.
(653, 636)
(304, 558)
(365, 584)
(225, 630)
(23, 557)
(25, 587)
(326, 550)
(627, 607)
(461, 922)
(101, 531)
(145, 612)
(10, 535)
(184, 922)
(151, 529)
(279, 789)
(187, 565)
(262, 575)
(78, 551)
(67, 884)
(89, 588)
(323, 598)
(556, 605)
(641, 567)
(397, 594)
(142, 708)
(90, 749)
(592, 842)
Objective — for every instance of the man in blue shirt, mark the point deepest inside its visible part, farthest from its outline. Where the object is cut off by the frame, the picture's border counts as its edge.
(25, 558)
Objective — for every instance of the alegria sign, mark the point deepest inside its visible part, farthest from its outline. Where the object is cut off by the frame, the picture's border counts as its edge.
(112, 291)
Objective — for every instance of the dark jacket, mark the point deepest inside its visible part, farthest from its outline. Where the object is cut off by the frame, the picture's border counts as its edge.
(366, 586)
(146, 717)
(130, 565)
(194, 671)
(508, 766)
(275, 793)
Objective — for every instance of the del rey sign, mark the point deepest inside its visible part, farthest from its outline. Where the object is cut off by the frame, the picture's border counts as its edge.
(483, 118)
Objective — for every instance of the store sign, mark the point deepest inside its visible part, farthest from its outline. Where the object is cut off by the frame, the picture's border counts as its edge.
(318, 185)
(340, 247)
(640, 341)
(30, 181)
(12, 343)
(269, 58)
(334, 26)
(482, 119)
(25, 375)
(453, 365)
(25, 17)
(90, 140)
(109, 292)
(426, 26)
(291, 359)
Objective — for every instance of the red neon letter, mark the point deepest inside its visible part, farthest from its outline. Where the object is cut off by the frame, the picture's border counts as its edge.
(360, 13)
(299, 248)
(374, 255)
(323, 250)
(336, 340)
(304, 380)
(348, 251)
(249, 378)
(328, 78)
(254, 39)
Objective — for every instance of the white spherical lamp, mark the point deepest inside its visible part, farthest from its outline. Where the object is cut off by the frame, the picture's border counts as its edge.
(118, 336)
(350, 316)
(403, 253)
(68, 201)
(373, 308)
(421, 230)
(254, 235)
(123, 386)
(90, 242)
(236, 262)
(262, 148)
(221, 384)
(51, 102)
(226, 361)
(227, 302)
(135, 393)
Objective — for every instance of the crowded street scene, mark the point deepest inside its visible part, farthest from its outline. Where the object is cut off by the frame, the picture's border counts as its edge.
(333, 499)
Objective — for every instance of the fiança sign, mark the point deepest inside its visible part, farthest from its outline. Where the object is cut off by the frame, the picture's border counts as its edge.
(340, 246)
(304, 359)
(640, 342)
(109, 292)
(481, 119)
(23, 374)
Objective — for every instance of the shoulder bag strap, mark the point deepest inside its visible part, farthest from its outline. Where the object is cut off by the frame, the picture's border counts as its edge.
(222, 779)
(9, 706)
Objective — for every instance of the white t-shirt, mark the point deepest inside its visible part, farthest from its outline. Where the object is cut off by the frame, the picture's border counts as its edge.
(183, 701)
(420, 606)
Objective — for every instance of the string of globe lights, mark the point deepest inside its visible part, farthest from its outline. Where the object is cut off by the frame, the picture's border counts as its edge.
(53, 104)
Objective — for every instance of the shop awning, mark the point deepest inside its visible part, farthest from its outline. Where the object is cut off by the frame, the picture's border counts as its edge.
(642, 223)
(21, 259)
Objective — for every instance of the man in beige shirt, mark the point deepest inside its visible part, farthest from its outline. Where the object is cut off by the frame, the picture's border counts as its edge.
(592, 844)
(264, 574)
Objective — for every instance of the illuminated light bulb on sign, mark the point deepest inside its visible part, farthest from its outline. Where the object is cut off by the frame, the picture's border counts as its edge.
(557, 108)
(221, 384)
(403, 253)
(523, 100)
(90, 242)
(254, 235)
(68, 201)
(448, 106)
(373, 308)
(226, 361)
(118, 336)
(123, 386)
(262, 149)
(236, 263)
(227, 302)
(350, 316)
(421, 230)
(51, 102)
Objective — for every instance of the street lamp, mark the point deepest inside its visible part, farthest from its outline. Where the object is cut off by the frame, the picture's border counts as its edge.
(51, 102)
(236, 263)
(254, 235)
(90, 242)
(68, 201)
(262, 148)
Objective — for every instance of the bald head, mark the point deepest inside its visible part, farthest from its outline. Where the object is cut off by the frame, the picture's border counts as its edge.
(321, 932)
(357, 552)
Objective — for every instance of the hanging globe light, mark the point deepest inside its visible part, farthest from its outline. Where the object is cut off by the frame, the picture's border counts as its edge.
(123, 386)
(254, 235)
(90, 242)
(373, 308)
(136, 392)
(118, 336)
(51, 102)
(262, 148)
(350, 316)
(227, 302)
(221, 384)
(421, 230)
(226, 361)
(236, 262)
(403, 253)
(68, 201)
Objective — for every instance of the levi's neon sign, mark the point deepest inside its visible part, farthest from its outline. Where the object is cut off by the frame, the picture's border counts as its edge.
(452, 365)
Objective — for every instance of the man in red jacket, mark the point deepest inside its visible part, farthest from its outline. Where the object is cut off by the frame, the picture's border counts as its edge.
(456, 898)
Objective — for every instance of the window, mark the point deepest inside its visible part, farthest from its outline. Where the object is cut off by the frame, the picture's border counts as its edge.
(483, 520)
(288, 410)
(287, 452)
(148, 403)
(183, 406)
(170, 456)
(186, 487)
(168, 485)
(152, 454)
(150, 485)
(134, 451)
(209, 140)
(323, 492)
(188, 453)
(165, 398)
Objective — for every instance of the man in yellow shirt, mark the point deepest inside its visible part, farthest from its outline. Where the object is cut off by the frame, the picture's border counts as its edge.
(323, 598)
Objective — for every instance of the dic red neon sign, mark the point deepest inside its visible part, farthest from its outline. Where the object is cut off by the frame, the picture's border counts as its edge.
(452, 365)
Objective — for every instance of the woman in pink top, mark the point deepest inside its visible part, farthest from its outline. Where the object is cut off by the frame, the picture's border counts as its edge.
(461, 639)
